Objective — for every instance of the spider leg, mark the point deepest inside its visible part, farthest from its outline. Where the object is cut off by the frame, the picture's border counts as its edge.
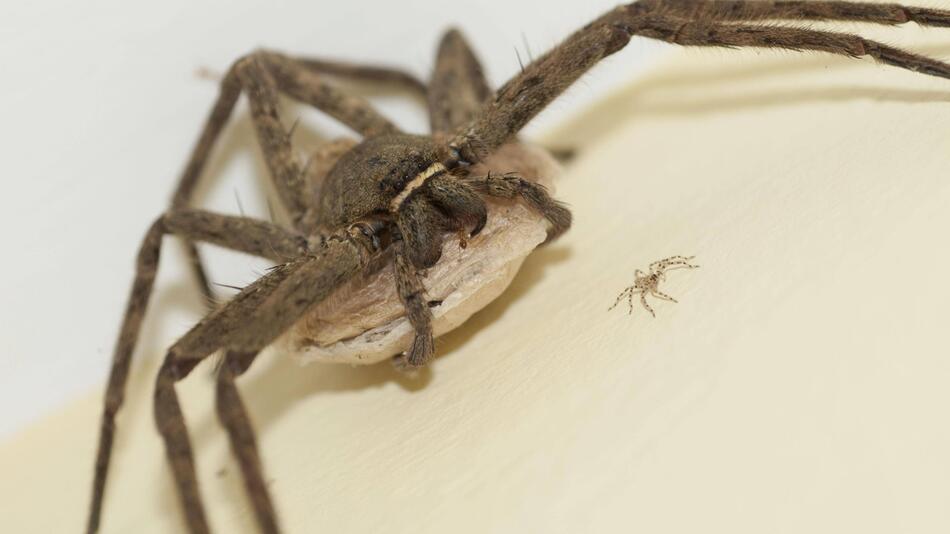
(818, 10)
(239, 233)
(412, 294)
(223, 106)
(303, 86)
(458, 88)
(526, 94)
(366, 73)
(677, 266)
(246, 324)
(620, 297)
(200, 342)
(262, 76)
(643, 300)
(659, 294)
(535, 195)
(705, 33)
(671, 264)
(234, 418)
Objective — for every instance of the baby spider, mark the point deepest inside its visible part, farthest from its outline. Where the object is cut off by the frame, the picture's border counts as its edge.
(644, 283)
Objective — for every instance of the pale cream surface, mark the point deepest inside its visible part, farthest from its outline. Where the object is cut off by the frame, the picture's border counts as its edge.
(800, 385)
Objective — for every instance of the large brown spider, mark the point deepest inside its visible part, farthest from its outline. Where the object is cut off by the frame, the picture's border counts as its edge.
(401, 194)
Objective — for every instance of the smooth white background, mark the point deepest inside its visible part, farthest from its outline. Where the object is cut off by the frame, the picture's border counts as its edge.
(101, 102)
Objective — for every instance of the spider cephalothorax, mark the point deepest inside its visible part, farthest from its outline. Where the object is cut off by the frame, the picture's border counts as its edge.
(402, 178)
(395, 200)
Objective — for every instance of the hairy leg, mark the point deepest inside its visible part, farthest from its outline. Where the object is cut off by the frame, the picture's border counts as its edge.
(234, 418)
(458, 88)
(262, 76)
(376, 74)
(246, 324)
(306, 87)
(819, 10)
(238, 233)
(412, 294)
(526, 94)
(535, 195)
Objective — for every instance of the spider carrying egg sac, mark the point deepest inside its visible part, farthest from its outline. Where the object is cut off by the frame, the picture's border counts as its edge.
(364, 322)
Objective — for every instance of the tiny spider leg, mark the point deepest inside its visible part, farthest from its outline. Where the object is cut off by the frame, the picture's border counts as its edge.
(629, 293)
(643, 300)
(659, 294)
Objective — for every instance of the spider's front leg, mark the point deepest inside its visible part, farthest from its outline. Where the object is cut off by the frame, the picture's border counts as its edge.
(237, 233)
(249, 322)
